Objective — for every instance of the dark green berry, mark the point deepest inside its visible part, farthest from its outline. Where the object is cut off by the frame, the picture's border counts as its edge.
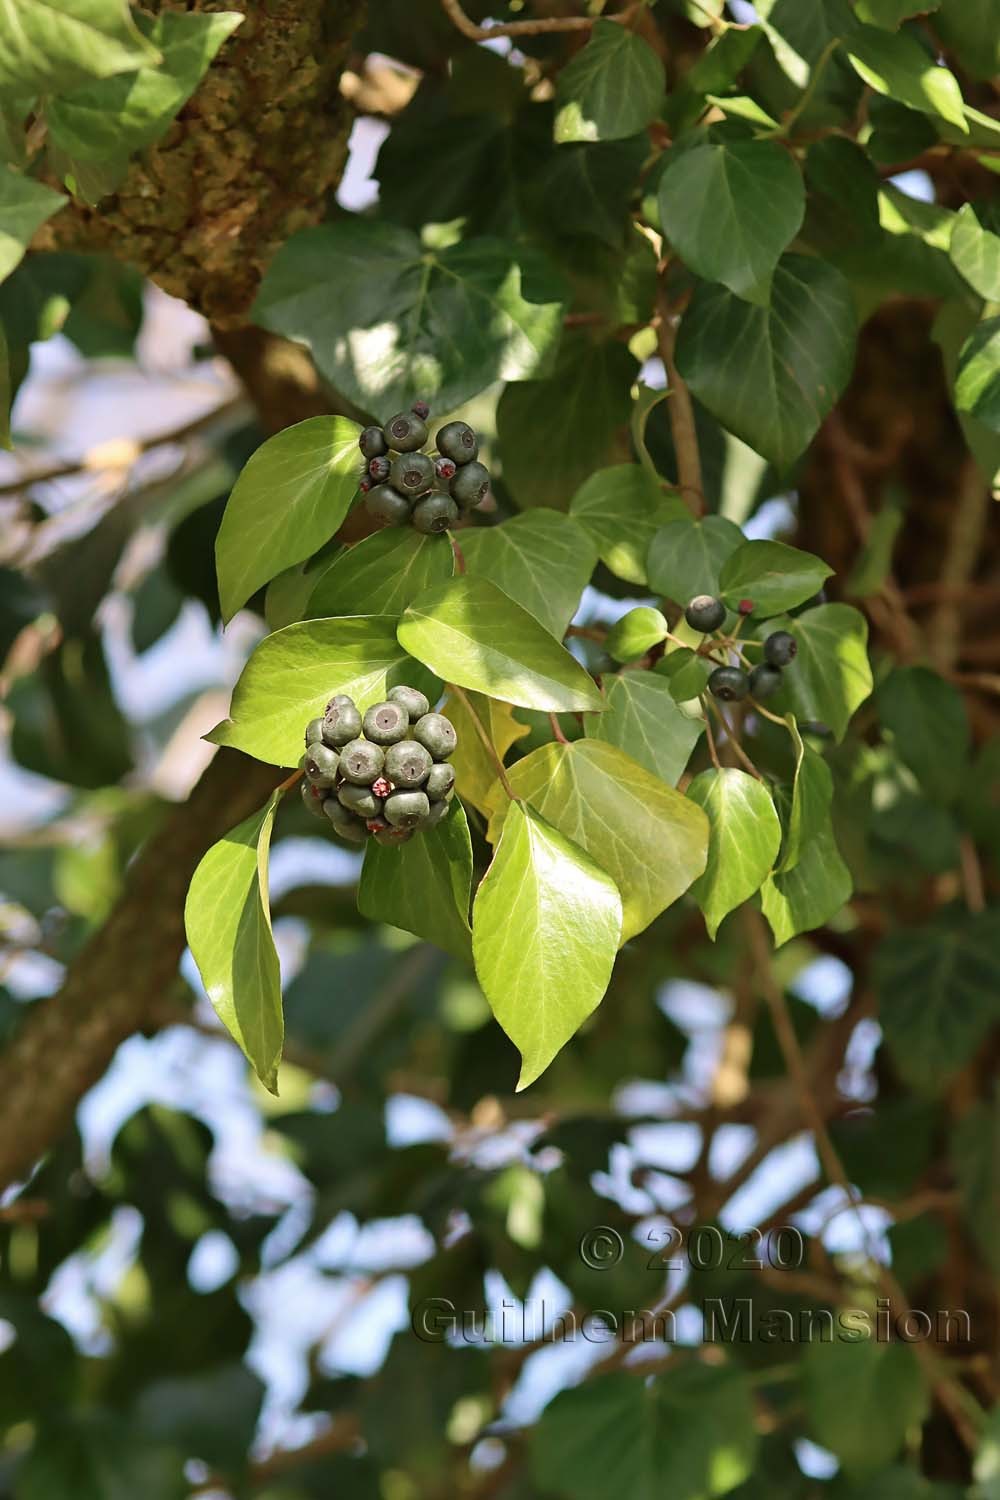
(341, 722)
(705, 613)
(345, 823)
(314, 732)
(361, 762)
(436, 734)
(440, 780)
(372, 442)
(406, 809)
(780, 648)
(320, 765)
(439, 811)
(405, 432)
(729, 683)
(360, 800)
(434, 514)
(411, 699)
(470, 485)
(412, 474)
(765, 680)
(457, 441)
(313, 797)
(387, 506)
(408, 764)
(393, 837)
(385, 723)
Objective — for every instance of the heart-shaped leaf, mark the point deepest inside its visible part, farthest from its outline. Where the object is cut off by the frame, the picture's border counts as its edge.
(622, 508)
(475, 636)
(542, 560)
(389, 321)
(424, 885)
(289, 500)
(642, 718)
(381, 574)
(612, 88)
(830, 676)
(546, 926)
(294, 672)
(228, 922)
(686, 558)
(774, 576)
(743, 841)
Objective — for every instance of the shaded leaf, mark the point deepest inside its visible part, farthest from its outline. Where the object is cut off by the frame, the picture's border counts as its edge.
(896, 65)
(424, 885)
(686, 558)
(862, 1399)
(830, 676)
(774, 576)
(24, 206)
(611, 89)
(927, 718)
(811, 892)
(475, 768)
(381, 574)
(977, 382)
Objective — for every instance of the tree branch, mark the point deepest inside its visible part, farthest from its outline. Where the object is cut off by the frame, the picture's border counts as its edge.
(468, 27)
(681, 413)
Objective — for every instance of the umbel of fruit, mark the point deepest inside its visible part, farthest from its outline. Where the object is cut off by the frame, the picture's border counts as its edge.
(384, 775)
(402, 484)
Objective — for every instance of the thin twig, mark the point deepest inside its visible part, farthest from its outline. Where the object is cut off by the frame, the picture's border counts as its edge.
(468, 27)
(457, 553)
(557, 729)
(713, 752)
(491, 749)
(681, 413)
(733, 740)
(972, 874)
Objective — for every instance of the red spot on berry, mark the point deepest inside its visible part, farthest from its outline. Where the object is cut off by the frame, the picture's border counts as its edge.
(381, 787)
(421, 409)
(364, 484)
(746, 607)
(376, 825)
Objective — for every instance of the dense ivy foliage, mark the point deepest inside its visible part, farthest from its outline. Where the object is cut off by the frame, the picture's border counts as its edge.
(717, 891)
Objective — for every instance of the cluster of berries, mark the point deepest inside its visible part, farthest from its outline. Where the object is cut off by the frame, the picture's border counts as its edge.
(384, 775)
(398, 482)
(706, 613)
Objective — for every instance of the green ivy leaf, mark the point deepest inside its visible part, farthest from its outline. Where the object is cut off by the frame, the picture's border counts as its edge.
(686, 673)
(546, 926)
(6, 395)
(289, 499)
(110, 118)
(47, 46)
(228, 923)
(686, 558)
(975, 253)
(587, 189)
(634, 634)
(730, 208)
(812, 795)
(622, 508)
(553, 433)
(475, 768)
(651, 840)
(542, 560)
(889, 14)
(24, 205)
(975, 1151)
(743, 840)
(807, 895)
(613, 87)
(977, 384)
(424, 885)
(969, 29)
(771, 374)
(939, 994)
(96, 1455)
(898, 67)
(642, 718)
(862, 1400)
(474, 635)
(293, 673)
(383, 573)
(831, 675)
(688, 1433)
(774, 576)
(388, 321)
(927, 719)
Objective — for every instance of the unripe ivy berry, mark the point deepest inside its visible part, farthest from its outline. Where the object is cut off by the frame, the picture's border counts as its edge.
(435, 514)
(411, 699)
(385, 723)
(408, 764)
(445, 469)
(393, 837)
(320, 765)
(412, 474)
(341, 722)
(372, 442)
(421, 409)
(314, 732)
(765, 680)
(405, 432)
(458, 441)
(436, 734)
(470, 485)
(705, 613)
(379, 468)
(344, 822)
(406, 809)
(780, 648)
(386, 506)
(360, 800)
(440, 780)
(745, 607)
(438, 811)
(313, 797)
(361, 762)
(729, 683)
